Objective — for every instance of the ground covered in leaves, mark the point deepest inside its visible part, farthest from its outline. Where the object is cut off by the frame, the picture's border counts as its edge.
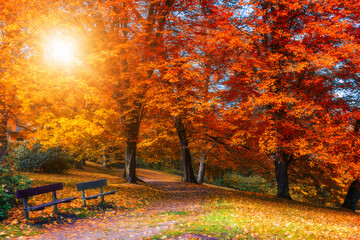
(163, 207)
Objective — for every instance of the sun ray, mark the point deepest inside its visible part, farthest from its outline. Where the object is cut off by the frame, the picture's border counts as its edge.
(61, 49)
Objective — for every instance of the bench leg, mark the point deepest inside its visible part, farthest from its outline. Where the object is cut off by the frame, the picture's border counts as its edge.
(102, 196)
(55, 205)
(83, 196)
(26, 213)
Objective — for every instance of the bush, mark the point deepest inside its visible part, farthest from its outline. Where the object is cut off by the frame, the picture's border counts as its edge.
(10, 182)
(254, 183)
(51, 160)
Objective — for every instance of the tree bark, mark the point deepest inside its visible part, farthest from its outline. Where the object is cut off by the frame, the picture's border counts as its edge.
(201, 174)
(130, 162)
(352, 196)
(78, 165)
(185, 152)
(131, 131)
(282, 161)
(202, 165)
(3, 137)
(105, 158)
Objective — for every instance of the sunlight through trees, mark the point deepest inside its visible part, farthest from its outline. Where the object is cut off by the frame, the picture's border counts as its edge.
(245, 86)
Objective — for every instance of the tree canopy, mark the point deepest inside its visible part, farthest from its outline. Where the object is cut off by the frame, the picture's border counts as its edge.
(260, 86)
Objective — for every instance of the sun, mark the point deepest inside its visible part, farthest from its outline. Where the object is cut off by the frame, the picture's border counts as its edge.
(61, 49)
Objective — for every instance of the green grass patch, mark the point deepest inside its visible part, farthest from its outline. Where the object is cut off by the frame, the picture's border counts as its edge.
(181, 213)
(255, 217)
(13, 231)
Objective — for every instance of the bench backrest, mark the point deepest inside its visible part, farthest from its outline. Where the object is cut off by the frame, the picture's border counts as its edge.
(91, 184)
(25, 193)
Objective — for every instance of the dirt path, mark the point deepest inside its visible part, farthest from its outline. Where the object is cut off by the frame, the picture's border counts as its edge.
(141, 224)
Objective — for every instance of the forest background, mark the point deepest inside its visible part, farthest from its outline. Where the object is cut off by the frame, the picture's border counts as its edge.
(262, 89)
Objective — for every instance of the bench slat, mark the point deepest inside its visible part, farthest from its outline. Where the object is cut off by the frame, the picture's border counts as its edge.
(44, 205)
(101, 194)
(91, 184)
(91, 197)
(25, 193)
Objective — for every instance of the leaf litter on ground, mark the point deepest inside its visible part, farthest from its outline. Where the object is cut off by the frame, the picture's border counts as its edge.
(165, 208)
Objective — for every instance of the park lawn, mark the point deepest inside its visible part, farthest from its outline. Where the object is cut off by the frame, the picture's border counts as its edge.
(256, 216)
(129, 197)
(233, 215)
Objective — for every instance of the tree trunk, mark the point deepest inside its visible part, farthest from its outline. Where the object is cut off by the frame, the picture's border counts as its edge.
(201, 174)
(282, 161)
(105, 157)
(3, 137)
(202, 164)
(185, 152)
(352, 196)
(131, 131)
(78, 165)
(131, 128)
(130, 162)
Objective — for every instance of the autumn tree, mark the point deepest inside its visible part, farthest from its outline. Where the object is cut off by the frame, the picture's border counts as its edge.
(121, 48)
(52, 90)
(131, 45)
(126, 38)
(287, 54)
(191, 68)
(348, 74)
(115, 45)
(13, 51)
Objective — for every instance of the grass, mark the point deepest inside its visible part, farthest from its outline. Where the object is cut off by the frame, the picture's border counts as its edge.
(255, 217)
(233, 215)
(129, 197)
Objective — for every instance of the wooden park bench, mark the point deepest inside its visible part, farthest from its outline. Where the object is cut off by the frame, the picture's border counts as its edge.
(29, 192)
(93, 184)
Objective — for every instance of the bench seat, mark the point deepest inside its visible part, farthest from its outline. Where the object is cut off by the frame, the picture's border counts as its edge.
(44, 205)
(91, 185)
(99, 195)
(25, 194)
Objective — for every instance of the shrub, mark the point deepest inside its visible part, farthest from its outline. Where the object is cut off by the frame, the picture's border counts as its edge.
(253, 183)
(10, 182)
(51, 160)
